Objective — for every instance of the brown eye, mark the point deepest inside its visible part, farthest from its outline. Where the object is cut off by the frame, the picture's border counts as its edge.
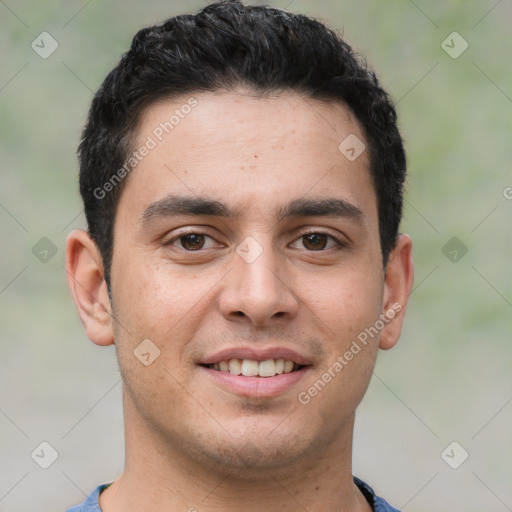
(318, 241)
(315, 241)
(192, 241)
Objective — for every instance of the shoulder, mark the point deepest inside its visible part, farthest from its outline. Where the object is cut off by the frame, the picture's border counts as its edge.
(91, 503)
(378, 504)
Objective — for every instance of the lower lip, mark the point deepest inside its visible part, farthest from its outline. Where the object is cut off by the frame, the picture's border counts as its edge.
(258, 387)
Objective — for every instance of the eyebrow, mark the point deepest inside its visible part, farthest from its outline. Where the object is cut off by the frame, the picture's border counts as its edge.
(173, 205)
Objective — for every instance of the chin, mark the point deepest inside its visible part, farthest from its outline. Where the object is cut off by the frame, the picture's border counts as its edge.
(255, 453)
(252, 462)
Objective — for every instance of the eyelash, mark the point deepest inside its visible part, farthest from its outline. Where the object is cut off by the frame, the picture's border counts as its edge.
(340, 245)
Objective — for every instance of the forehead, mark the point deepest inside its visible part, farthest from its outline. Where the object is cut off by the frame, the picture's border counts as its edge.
(234, 117)
(251, 150)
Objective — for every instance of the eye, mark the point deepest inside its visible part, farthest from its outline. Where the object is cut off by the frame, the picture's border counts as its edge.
(312, 241)
(190, 241)
(318, 241)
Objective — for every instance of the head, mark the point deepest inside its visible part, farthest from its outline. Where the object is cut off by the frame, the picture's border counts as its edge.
(235, 123)
(225, 46)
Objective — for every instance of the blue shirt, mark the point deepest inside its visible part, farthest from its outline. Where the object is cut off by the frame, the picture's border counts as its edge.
(91, 504)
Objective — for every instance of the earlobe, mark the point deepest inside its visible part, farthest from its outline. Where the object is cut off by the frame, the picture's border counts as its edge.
(84, 274)
(397, 288)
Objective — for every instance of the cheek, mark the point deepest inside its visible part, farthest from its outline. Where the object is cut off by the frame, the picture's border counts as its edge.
(156, 314)
(146, 295)
(346, 303)
(157, 302)
(349, 307)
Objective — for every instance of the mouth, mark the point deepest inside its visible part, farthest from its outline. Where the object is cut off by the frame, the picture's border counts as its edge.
(251, 373)
(253, 368)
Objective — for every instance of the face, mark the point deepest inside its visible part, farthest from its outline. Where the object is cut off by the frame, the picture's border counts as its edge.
(247, 242)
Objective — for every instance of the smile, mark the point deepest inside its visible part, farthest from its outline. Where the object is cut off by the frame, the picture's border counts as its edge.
(253, 368)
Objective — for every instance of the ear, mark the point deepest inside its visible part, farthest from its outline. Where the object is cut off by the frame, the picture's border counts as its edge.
(84, 273)
(397, 288)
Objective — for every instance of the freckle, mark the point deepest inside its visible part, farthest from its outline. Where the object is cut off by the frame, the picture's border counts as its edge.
(317, 488)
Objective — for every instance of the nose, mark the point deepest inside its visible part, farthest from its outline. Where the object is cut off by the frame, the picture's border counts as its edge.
(257, 290)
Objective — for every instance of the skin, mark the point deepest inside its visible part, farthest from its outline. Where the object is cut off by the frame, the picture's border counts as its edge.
(191, 444)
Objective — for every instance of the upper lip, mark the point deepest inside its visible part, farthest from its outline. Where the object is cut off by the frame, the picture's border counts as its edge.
(257, 355)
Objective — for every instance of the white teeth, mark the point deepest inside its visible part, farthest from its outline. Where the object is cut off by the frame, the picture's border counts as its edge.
(235, 366)
(267, 368)
(253, 368)
(250, 367)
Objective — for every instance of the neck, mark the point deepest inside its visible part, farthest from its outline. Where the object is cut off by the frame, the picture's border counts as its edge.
(160, 476)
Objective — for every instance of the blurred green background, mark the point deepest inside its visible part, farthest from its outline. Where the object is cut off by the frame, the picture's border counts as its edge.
(450, 377)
